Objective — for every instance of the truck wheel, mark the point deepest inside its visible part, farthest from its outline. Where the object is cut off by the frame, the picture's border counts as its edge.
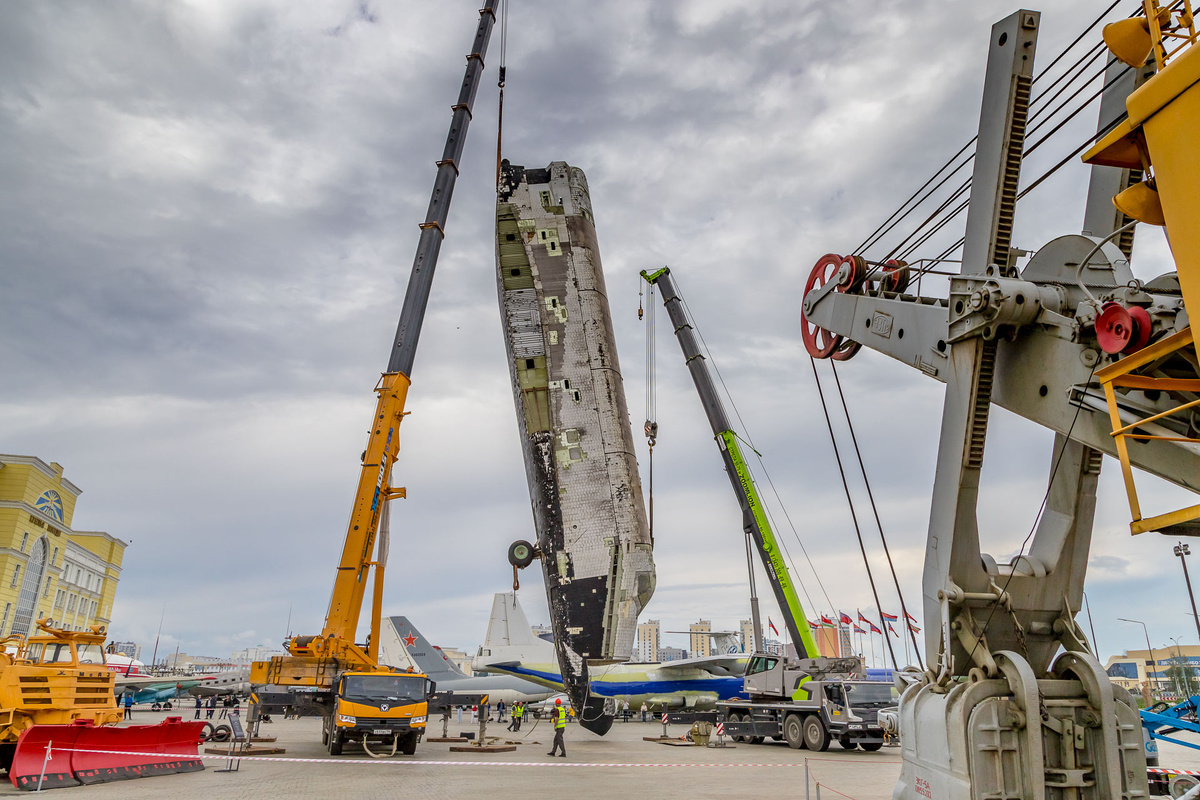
(757, 739)
(871, 747)
(816, 737)
(408, 745)
(736, 718)
(325, 733)
(793, 732)
(847, 743)
(335, 742)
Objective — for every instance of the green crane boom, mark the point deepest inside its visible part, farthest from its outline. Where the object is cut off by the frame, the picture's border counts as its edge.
(754, 517)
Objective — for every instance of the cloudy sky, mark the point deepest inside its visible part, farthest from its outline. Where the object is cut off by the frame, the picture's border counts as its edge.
(208, 216)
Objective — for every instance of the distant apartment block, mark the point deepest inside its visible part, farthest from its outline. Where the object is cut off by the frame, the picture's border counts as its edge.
(648, 641)
(130, 649)
(746, 636)
(701, 638)
(666, 654)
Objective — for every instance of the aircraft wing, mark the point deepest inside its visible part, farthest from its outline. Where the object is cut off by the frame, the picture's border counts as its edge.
(725, 666)
(149, 681)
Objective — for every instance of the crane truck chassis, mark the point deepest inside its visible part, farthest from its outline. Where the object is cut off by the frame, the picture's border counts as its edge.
(808, 704)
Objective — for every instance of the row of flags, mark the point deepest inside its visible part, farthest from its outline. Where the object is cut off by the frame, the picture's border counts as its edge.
(846, 619)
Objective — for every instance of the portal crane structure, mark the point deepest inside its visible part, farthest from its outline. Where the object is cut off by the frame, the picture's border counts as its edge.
(814, 700)
(359, 699)
(1072, 342)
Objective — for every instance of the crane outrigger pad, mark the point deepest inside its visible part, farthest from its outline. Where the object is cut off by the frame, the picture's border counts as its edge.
(82, 753)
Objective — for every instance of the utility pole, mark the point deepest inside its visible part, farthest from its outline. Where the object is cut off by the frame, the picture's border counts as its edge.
(1149, 649)
(1182, 551)
(1185, 670)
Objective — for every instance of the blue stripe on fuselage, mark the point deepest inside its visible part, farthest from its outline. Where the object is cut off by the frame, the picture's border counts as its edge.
(724, 688)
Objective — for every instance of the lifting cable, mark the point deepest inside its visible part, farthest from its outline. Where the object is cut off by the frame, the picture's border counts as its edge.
(651, 357)
(500, 83)
(750, 443)
(651, 426)
(1046, 97)
(874, 510)
(854, 516)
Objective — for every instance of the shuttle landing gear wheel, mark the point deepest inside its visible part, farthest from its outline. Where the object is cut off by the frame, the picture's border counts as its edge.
(520, 554)
(793, 732)
(816, 738)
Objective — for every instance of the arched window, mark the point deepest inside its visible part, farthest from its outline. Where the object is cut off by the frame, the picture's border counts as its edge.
(35, 571)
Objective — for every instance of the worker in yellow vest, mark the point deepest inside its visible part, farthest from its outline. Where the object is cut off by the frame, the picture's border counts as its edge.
(560, 724)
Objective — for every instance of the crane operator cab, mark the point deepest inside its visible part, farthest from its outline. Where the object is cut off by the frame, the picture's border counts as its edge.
(385, 708)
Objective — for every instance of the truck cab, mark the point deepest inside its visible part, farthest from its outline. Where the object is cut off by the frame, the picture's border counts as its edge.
(385, 707)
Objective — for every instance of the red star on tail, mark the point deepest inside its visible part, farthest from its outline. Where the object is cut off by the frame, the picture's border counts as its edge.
(410, 640)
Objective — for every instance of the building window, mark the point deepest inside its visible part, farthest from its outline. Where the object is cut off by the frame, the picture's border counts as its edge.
(28, 597)
(46, 593)
(4, 622)
(71, 602)
(58, 598)
(24, 541)
(16, 576)
(54, 557)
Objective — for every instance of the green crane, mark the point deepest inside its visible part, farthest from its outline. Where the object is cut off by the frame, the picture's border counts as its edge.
(754, 517)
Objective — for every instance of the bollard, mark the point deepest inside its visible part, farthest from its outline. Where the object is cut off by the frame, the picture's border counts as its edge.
(806, 797)
(664, 721)
(818, 790)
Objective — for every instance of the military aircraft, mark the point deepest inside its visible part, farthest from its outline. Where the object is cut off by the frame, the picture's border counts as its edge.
(401, 645)
(694, 683)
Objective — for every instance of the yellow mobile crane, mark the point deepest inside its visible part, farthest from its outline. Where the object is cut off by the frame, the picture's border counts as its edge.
(359, 699)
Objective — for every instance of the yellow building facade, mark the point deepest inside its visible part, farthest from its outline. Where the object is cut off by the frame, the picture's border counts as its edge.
(47, 569)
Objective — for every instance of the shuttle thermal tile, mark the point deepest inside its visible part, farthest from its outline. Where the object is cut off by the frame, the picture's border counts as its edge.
(578, 446)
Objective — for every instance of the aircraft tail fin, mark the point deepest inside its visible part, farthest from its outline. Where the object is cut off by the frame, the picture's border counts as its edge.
(508, 626)
(429, 659)
(726, 643)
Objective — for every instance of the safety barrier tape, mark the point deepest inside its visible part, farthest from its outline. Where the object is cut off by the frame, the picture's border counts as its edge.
(427, 763)
(1172, 771)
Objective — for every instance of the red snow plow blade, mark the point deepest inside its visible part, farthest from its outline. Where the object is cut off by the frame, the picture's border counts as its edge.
(82, 753)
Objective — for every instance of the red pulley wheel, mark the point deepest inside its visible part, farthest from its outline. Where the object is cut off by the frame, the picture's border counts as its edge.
(847, 350)
(895, 275)
(1114, 328)
(1141, 330)
(819, 342)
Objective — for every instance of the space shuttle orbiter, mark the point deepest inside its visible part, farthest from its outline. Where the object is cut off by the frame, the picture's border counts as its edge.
(592, 533)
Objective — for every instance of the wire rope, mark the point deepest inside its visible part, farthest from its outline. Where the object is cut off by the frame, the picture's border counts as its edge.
(875, 510)
(853, 516)
(1038, 106)
(749, 440)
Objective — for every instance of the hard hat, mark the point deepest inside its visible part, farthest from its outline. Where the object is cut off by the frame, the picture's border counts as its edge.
(558, 701)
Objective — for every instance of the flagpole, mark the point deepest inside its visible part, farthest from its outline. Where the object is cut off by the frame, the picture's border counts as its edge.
(907, 660)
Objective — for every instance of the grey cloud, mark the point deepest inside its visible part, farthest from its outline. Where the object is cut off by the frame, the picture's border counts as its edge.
(209, 218)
